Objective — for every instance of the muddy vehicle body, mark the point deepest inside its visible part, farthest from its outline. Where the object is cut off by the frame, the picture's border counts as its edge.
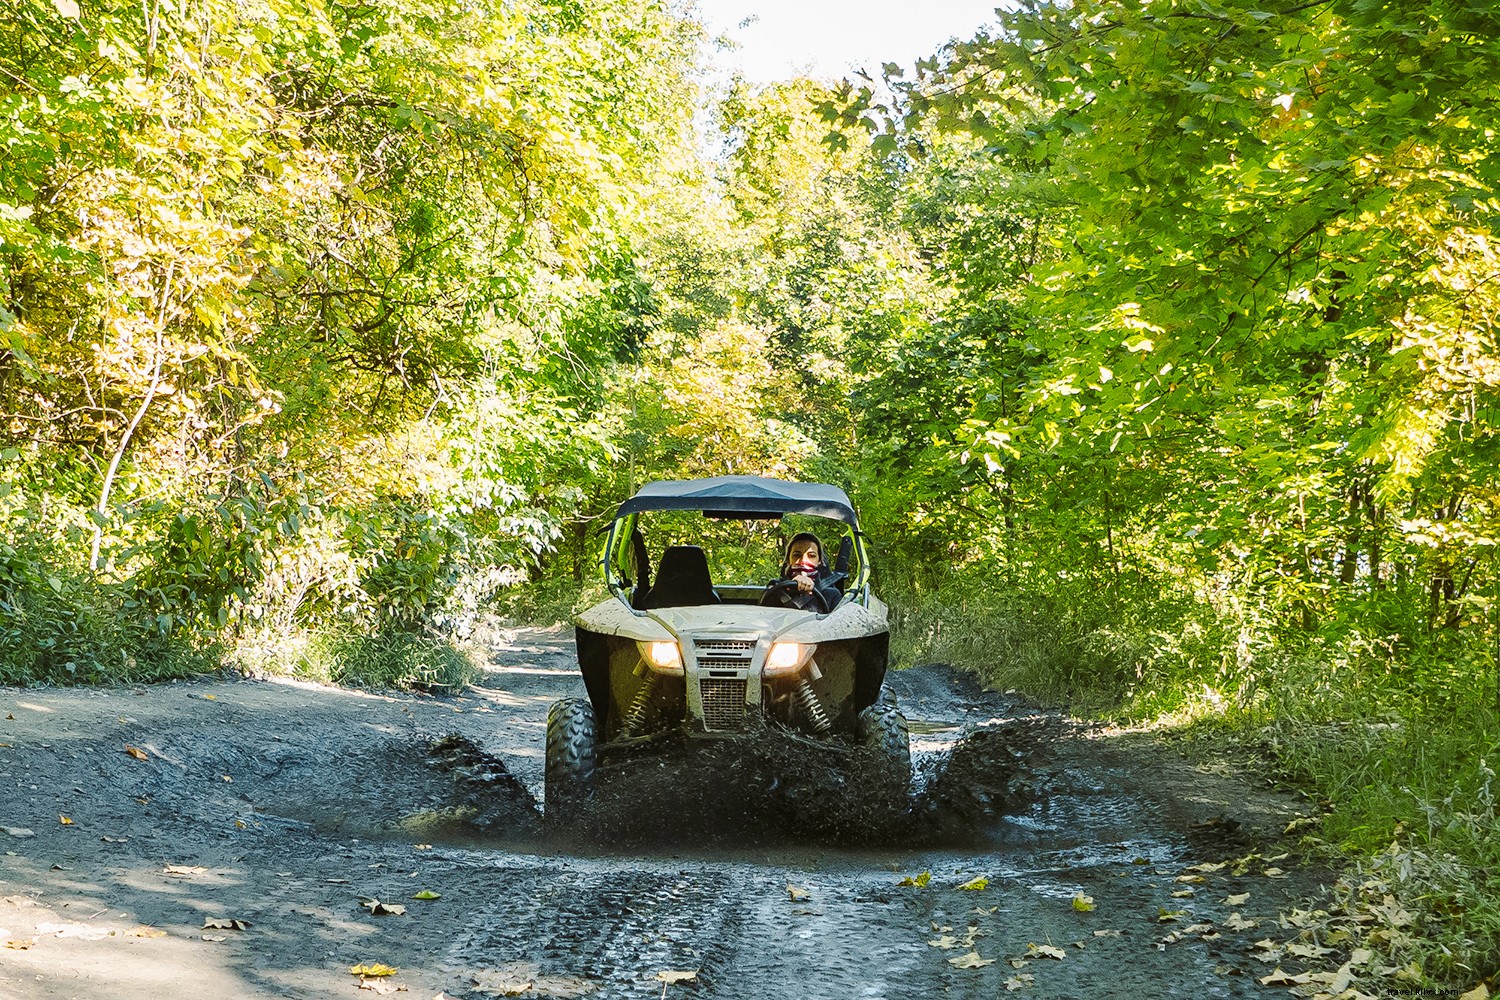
(676, 656)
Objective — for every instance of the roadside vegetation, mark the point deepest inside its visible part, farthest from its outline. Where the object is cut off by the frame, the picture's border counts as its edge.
(1158, 347)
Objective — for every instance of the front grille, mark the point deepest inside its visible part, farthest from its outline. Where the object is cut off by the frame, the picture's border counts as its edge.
(724, 654)
(723, 703)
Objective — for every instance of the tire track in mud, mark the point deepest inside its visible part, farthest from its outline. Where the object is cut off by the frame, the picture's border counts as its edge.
(738, 926)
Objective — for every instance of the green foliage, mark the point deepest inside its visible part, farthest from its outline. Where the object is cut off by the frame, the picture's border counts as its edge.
(392, 659)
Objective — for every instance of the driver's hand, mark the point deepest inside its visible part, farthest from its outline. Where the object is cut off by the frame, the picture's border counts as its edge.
(804, 583)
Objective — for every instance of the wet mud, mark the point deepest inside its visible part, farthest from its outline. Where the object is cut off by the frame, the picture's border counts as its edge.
(765, 869)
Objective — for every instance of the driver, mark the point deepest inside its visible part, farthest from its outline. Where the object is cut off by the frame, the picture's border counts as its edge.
(806, 581)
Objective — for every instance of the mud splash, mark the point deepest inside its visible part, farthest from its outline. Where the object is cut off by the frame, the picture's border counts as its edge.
(767, 792)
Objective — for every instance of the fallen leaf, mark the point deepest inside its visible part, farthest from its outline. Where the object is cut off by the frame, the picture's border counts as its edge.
(147, 932)
(64, 820)
(421, 847)
(976, 884)
(970, 961)
(1164, 915)
(1104, 934)
(1184, 894)
(427, 894)
(136, 752)
(1017, 963)
(1274, 873)
(1208, 867)
(1238, 899)
(920, 881)
(1082, 903)
(946, 942)
(1235, 922)
(20, 944)
(1035, 950)
(677, 975)
(211, 697)
(1302, 950)
(1191, 878)
(226, 779)
(1480, 992)
(225, 924)
(1279, 978)
(381, 987)
(213, 937)
(796, 893)
(379, 909)
(1022, 981)
(184, 870)
(372, 969)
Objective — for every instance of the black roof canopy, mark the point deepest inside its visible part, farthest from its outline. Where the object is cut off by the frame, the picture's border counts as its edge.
(743, 496)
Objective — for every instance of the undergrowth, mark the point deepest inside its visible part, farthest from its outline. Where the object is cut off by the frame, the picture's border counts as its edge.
(1397, 738)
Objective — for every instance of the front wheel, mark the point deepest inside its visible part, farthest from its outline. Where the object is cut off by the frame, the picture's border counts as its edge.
(572, 739)
(885, 753)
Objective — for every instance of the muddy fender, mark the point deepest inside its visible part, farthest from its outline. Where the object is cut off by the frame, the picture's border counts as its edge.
(572, 739)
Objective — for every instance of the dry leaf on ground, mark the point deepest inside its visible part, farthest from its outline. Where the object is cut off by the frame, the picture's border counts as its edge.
(920, 881)
(184, 870)
(1035, 950)
(970, 961)
(677, 975)
(379, 909)
(975, 884)
(372, 969)
(136, 752)
(427, 894)
(796, 893)
(1082, 903)
(1022, 981)
(225, 924)
(1238, 899)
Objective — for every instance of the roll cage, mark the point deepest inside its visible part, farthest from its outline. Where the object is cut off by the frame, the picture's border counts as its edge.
(625, 561)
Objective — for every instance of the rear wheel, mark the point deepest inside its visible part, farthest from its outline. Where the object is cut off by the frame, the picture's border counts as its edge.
(884, 753)
(572, 739)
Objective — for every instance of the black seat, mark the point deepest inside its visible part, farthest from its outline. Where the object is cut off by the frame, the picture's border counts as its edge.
(682, 579)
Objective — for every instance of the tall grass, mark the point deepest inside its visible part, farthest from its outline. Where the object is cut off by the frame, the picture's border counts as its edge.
(1393, 726)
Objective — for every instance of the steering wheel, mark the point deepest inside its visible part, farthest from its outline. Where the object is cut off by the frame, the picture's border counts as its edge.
(790, 587)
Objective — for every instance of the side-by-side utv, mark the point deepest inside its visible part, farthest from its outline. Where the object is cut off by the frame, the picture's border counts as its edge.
(677, 653)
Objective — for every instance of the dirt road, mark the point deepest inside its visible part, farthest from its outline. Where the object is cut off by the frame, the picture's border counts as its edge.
(233, 838)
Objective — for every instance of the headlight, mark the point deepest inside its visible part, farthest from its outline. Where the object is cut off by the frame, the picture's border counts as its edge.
(788, 655)
(663, 654)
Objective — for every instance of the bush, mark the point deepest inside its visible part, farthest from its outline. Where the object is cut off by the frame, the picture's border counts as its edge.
(60, 627)
(392, 658)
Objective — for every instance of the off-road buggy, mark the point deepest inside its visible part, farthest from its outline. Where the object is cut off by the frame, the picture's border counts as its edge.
(679, 655)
